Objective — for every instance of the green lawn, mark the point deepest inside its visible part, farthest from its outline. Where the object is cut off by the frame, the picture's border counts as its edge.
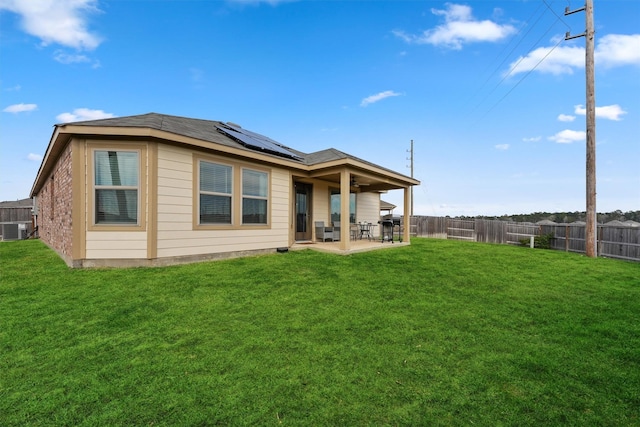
(438, 333)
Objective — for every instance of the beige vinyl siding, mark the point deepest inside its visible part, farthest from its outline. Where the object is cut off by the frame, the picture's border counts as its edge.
(282, 205)
(321, 202)
(177, 235)
(116, 244)
(368, 209)
(113, 241)
(175, 186)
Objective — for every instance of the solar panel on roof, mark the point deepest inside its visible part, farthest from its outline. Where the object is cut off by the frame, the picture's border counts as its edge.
(256, 141)
(267, 142)
(251, 134)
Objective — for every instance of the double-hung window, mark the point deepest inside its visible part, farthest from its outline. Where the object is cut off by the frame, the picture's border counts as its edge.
(216, 193)
(116, 186)
(255, 186)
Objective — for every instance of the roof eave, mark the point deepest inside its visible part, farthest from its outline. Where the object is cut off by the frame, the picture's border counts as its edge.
(57, 142)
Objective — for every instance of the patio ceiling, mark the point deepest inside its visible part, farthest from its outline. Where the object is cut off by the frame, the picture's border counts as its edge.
(364, 181)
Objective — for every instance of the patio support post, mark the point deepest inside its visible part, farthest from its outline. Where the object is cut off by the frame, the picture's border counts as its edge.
(407, 215)
(345, 184)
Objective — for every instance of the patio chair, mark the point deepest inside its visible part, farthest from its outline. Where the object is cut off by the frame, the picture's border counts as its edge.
(323, 233)
(354, 231)
(336, 230)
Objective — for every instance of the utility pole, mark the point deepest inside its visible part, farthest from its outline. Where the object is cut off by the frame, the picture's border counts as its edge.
(411, 166)
(589, 34)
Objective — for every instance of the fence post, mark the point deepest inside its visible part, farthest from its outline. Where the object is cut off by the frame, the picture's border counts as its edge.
(599, 240)
(531, 242)
(505, 230)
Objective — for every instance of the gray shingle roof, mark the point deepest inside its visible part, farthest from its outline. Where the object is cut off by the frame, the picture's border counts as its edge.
(200, 130)
(205, 130)
(23, 203)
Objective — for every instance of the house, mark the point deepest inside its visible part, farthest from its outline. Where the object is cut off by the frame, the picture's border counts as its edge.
(16, 219)
(386, 208)
(156, 189)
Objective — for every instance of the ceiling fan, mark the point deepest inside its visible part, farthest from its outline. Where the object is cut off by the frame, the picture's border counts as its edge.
(355, 183)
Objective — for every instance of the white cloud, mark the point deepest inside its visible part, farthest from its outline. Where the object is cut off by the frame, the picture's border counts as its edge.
(82, 114)
(532, 139)
(378, 97)
(562, 60)
(618, 49)
(502, 146)
(610, 112)
(460, 27)
(568, 136)
(66, 58)
(56, 21)
(74, 58)
(566, 118)
(612, 50)
(34, 157)
(20, 108)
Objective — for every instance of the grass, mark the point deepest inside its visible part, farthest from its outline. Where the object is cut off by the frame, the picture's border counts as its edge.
(438, 333)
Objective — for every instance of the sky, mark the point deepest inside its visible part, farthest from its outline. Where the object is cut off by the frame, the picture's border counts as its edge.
(490, 92)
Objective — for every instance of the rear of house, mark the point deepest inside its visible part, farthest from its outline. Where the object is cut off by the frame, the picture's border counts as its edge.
(156, 189)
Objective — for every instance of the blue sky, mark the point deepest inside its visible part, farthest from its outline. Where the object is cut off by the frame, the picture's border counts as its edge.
(489, 91)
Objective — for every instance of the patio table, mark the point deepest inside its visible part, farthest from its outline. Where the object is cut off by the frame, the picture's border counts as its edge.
(365, 230)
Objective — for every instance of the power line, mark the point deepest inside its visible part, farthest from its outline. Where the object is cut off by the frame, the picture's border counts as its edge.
(531, 27)
(522, 79)
(515, 65)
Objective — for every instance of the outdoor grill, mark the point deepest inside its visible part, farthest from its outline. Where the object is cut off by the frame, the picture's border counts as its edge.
(387, 227)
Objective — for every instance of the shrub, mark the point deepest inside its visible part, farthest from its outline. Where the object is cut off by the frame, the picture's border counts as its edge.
(542, 242)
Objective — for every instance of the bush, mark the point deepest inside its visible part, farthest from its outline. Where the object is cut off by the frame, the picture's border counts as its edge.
(541, 242)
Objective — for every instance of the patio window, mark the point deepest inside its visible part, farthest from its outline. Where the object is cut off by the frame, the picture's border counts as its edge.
(335, 206)
(116, 187)
(216, 193)
(255, 186)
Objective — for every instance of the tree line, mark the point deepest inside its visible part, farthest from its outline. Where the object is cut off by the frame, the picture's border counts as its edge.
(565, 217)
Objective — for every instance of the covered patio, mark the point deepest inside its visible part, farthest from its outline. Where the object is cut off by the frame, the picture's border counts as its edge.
(342, 175)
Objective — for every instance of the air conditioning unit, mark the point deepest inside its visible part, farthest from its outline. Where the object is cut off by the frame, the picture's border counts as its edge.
(10, 232)
(22, 231)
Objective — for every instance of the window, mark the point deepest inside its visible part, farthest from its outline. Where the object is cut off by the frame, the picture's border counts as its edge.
(335, 206)
(254, 196)
(116, 187)
(229, 194)
(216, 187)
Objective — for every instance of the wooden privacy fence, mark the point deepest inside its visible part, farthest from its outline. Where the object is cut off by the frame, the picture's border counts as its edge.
(613, 240)
(476, 230)
(16, 214)
(13, 219)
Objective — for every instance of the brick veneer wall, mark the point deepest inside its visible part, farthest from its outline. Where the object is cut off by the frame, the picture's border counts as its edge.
(54, 207)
